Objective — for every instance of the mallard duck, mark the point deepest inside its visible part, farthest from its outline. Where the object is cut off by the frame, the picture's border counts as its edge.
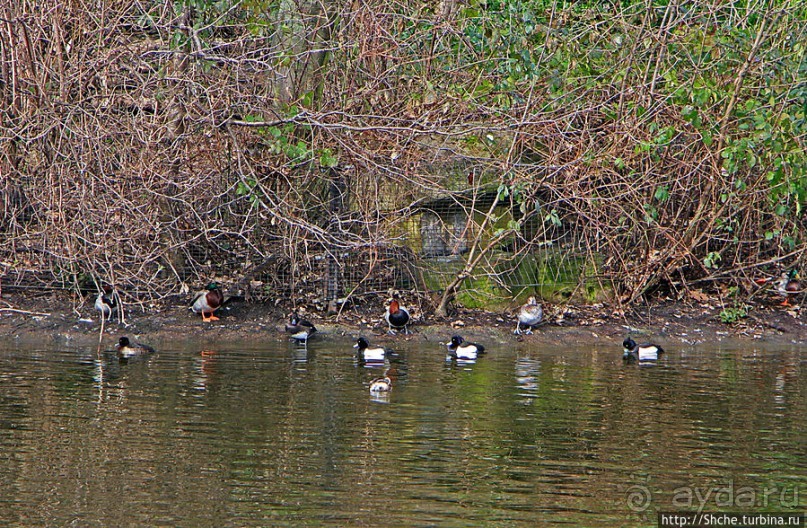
(396, 317)
(106, 302)
(459, 349)
(208, 301)
(529, 315)
(369, 353)
(383, 384)
(644, 352)
(127, 349)
(299, 329)
(788, 285)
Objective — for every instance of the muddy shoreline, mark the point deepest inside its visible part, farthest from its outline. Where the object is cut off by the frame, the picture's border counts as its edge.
(58, 315)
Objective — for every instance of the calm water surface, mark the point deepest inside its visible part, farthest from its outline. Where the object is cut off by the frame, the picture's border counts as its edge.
(267, 434)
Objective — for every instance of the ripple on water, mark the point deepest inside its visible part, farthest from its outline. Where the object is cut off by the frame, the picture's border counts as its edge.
(247, 434)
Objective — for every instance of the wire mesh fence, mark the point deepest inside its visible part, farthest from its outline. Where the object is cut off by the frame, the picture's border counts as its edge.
(330, 253)
(312, 153)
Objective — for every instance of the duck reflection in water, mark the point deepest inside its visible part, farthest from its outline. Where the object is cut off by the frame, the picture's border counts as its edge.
(301, 353)
(206, 370)
(527, 370)
(107, 369)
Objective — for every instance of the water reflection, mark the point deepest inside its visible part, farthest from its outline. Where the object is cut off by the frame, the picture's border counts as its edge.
(300, 352)
(380, 397)
(206, 367)
(527, 372)
(460, 362)
(523, 436)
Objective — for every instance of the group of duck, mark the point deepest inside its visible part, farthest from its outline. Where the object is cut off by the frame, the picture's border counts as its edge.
(529, 316)
(205, 302)
(397, 317)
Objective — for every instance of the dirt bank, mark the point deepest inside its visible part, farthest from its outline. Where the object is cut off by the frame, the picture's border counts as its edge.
(59, 314)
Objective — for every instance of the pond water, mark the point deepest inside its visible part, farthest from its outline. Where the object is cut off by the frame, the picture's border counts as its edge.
(268, 434)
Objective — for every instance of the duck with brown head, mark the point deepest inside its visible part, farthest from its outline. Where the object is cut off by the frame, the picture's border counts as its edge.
(397, 317)
(382, 384)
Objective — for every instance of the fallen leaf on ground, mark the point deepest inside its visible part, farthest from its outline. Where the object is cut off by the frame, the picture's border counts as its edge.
(698, 295)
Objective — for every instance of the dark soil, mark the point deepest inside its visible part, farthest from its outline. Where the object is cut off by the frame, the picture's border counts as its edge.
(58, 314)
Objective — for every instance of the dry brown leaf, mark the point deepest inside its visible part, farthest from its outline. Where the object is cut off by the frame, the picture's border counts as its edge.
(698, 295)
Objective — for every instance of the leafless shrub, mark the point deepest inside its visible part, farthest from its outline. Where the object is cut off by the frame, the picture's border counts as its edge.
(273, 144)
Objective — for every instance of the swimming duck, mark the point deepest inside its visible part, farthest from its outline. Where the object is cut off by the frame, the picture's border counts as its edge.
(106, 302)
(369, 353)
(644, 352)
(383, 384)
(127, 349)
(208, 301)
(396, 317)
(529, 315)
(459, 349)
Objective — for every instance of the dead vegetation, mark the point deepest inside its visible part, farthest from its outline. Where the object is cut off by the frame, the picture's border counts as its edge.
(286, 148)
